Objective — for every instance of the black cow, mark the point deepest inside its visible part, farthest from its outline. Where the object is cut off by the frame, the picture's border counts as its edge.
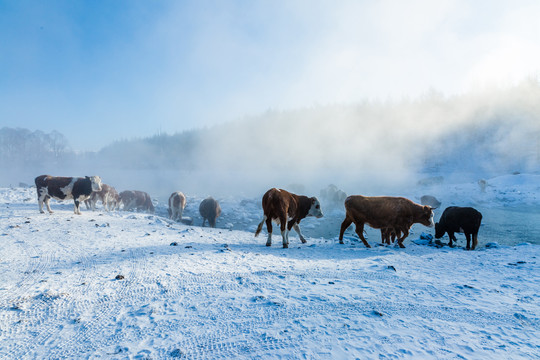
(461, 220)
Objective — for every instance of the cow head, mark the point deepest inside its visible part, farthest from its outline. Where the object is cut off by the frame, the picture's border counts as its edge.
(426, 216)
(96, 182)
(439, 231)
(315, 209)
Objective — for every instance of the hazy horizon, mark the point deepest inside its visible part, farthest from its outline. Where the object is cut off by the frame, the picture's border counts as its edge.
(369, 147)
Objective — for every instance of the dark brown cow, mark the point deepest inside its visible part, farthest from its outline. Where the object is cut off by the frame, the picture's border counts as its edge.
(63, 188)
(209, 210)
(136, 200)
(390, 214)
(177, 203)
(108, 196)
(287, 210)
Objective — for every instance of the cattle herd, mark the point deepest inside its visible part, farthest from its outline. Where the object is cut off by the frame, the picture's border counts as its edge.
(394, 216)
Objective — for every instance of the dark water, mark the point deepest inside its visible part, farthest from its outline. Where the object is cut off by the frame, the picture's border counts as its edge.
(510, 226)
(506, 226)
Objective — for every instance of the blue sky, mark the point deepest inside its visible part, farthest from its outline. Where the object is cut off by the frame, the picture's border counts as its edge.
(99, 71)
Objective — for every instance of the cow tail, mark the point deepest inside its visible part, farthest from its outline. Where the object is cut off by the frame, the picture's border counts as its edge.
(259, 228)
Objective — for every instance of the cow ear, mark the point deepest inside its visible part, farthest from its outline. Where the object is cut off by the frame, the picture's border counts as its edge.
(313, 200)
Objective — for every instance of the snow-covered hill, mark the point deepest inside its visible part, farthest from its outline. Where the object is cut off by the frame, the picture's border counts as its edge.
(136, 286)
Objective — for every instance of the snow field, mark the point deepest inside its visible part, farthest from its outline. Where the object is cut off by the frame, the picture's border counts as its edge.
(222, 294)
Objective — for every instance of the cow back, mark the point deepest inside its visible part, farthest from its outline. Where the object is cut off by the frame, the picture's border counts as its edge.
(386, 211)
(279, 202)
(53, 184)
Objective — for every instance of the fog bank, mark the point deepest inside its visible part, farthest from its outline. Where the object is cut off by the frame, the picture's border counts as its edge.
(372, 147)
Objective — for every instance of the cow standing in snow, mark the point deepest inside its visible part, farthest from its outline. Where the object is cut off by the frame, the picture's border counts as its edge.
(209, 210)
(136, 200)
(461, 220)
(287, 209)
(107, 195)
(393, 215)
(177, 203)
(63, 188)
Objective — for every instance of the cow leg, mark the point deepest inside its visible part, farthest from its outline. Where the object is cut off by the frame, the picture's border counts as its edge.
(40, 204)
(296, 227)
(360, 231)
(452, 239)
(344, 225)
(286, 239)
(474, 240)
(402, 237)
(284, 232)
(269, 229)
(468, 236)
(396, 235)
(179, 214)
(105, 202)
(383, 236)
(46, 201)
(77, 204)
(43, 198)
(391, 237)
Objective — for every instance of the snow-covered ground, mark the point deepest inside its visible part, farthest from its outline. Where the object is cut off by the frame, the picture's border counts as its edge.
(136, 286)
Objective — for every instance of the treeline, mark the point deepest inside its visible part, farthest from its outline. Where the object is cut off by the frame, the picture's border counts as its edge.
(155, 152)
(372, 142)
(22, 147)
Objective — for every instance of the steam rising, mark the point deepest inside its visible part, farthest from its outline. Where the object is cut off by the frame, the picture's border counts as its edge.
(372, 147)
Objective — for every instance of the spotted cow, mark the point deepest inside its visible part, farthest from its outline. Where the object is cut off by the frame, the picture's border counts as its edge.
(63, 188)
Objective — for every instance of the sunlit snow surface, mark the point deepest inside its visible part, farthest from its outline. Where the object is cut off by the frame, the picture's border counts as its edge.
(222, 294)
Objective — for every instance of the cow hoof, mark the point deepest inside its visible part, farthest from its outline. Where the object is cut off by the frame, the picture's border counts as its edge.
(341, 242)
(303, 241)
(268, 244)
(401, 246)
(285, 246)
(368, 246)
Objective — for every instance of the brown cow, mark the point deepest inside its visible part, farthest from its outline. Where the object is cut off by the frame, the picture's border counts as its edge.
(287, 210)
(108, 197)
(177, 203)
(134, 199)
(63, 188)
(209, 210)
(390, 214)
